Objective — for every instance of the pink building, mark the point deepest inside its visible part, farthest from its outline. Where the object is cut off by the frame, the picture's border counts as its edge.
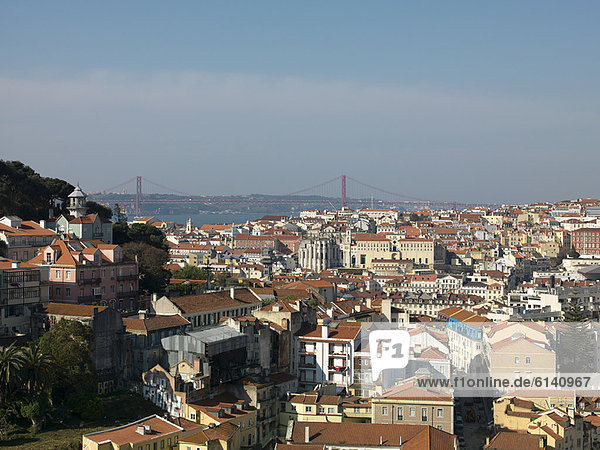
(90, 272)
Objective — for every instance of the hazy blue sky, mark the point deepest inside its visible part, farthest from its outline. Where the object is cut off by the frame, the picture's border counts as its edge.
(466, 101)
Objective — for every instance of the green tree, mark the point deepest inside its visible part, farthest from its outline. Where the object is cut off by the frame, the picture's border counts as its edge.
(576, 343)
(120, 233)
(151, 260)
(139, 233)
(36, 368)
(191, 273)
(69, 343)
(573, 253)
(34, 408)
(118, 215)
(24, 193)
(11, 361)
(96, 208)
(574, 311)
(88, 406)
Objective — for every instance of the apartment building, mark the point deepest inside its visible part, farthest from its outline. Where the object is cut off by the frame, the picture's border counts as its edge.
(312, 406)
(23, 238)
(465, 335)
(226, 408)
(172, 389)
(409, 404)
(586, 241)
(151, 432)
(23, 290)
(90, 272)
(208, 309)
(326, 354)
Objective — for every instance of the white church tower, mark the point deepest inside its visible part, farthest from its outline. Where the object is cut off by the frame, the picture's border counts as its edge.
(77, 201)
(189, 226)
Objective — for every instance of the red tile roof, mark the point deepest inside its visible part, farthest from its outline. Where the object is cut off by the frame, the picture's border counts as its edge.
(127, 434)
(412, 437)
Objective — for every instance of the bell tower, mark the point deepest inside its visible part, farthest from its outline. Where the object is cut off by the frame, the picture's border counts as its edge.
(77, 201)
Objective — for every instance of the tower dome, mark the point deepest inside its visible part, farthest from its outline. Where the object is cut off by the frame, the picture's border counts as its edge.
(77, 201)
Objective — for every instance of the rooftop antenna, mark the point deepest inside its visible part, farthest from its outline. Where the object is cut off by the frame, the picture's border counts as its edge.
(371, 200)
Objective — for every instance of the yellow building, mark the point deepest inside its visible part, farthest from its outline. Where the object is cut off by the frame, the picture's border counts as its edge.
(226, 436)
(310, 407)
(514, 413)
(356, 409)
(222, 409)
(152, 432)
(367, 246)
(418, 250)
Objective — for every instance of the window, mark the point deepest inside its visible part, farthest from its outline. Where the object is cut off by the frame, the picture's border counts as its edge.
(308, 409)
(57, 274)
(517, 360)
(57, 291)
(68, 292)
(400, 413)
(68, 274)
(412, 412)
(384, 410)
(162, 443)
(527, 360)
(440, 412)
(424, 414)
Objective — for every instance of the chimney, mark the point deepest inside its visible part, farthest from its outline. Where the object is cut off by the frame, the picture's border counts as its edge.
(232, 292)
(325, 331)
(306, 434)
(94, 311)
(380, 440)
(43, 223)
(15, 265)
(142, 314)
(368, 302)
(386, 308)
(154, 297)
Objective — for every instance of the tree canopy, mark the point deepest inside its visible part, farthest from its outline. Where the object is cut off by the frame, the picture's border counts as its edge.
(24, 193)
(96, 208)
(151, 263)
(139, 233)
(69, 343)
(191, 273)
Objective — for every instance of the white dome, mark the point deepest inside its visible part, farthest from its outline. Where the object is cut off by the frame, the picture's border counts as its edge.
(77, 193)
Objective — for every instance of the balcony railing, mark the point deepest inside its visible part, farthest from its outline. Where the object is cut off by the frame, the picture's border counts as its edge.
(86, 298)
(90, 280)
(127, 294)
(128, 277)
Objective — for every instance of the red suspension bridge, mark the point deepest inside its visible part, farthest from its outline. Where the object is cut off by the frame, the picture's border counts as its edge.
(339, 192)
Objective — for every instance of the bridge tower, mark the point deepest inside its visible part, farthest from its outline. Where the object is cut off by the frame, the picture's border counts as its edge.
(343, 201)
(138, 196)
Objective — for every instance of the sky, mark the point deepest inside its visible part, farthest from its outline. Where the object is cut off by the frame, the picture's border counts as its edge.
(457, 101)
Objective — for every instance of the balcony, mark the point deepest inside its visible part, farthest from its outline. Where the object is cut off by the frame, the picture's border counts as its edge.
(90, 280)
(128, 277)
(127, 294)
(87, 298)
